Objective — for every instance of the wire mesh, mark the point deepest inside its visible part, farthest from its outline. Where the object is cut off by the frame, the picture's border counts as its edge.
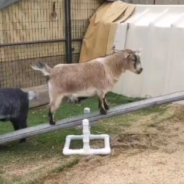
(26, 22)
(15, 67)
(30, 21)
(81, 11)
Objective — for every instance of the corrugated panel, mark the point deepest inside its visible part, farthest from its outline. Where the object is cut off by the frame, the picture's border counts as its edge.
(159, 31)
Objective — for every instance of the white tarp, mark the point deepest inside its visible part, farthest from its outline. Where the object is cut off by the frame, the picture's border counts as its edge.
(159, 31)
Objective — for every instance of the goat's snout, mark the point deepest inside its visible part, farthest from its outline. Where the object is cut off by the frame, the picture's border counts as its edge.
(140, 70)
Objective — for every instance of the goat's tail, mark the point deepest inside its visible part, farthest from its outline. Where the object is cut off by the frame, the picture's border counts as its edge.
(32, 95)
(44, 68)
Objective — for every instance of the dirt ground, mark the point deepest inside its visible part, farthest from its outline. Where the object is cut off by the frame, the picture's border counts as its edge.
(147, 148)
(149, 152)
(143, 168)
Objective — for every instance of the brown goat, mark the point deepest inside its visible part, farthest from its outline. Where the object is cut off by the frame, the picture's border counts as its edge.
(96, 77)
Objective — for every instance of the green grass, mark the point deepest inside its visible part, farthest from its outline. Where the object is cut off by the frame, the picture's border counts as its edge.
(46, 144)
(49, 145)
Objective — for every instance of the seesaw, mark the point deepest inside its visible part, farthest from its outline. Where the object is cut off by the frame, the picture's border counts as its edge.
(92, 117)
(86, 137)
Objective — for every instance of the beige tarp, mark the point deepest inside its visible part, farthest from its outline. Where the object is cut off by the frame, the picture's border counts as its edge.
(28, 21)
(101, 31)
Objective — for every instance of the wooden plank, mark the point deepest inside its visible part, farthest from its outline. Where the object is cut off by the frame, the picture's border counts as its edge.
(42, 98)
(93, 117)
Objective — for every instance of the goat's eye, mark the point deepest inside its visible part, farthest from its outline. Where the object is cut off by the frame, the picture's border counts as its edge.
(134, 63)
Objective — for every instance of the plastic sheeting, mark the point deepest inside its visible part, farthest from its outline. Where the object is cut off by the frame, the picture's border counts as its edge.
(159, 31)
(98, 39)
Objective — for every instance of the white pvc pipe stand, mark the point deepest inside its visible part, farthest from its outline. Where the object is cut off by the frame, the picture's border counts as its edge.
(86, 137)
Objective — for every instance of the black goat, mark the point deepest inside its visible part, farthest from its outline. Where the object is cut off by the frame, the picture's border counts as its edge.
(14, 107)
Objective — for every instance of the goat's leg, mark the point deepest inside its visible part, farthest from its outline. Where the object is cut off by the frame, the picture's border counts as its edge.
(99, 103)
(51, 118)
(23, 124)
(101, 97)
(104, 102)
(15, 124)
(53, 108)
(19, 124)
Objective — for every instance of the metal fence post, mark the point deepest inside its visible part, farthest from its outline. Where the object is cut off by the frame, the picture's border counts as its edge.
(68, 43)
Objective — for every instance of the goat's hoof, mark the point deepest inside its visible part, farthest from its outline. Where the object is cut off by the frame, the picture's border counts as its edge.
(107, 107)
(103, 111)
(22, 141)
(52, 123)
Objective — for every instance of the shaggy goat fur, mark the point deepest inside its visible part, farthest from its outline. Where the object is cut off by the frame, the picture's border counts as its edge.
(14, 106)
(96, 77)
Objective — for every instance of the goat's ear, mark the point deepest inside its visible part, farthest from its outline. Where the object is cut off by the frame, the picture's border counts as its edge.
(138, 51)
(113, 49)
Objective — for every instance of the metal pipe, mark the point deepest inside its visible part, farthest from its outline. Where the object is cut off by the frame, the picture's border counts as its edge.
(93, 117)
(68, 31)
(33, 42)
(37, 42)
